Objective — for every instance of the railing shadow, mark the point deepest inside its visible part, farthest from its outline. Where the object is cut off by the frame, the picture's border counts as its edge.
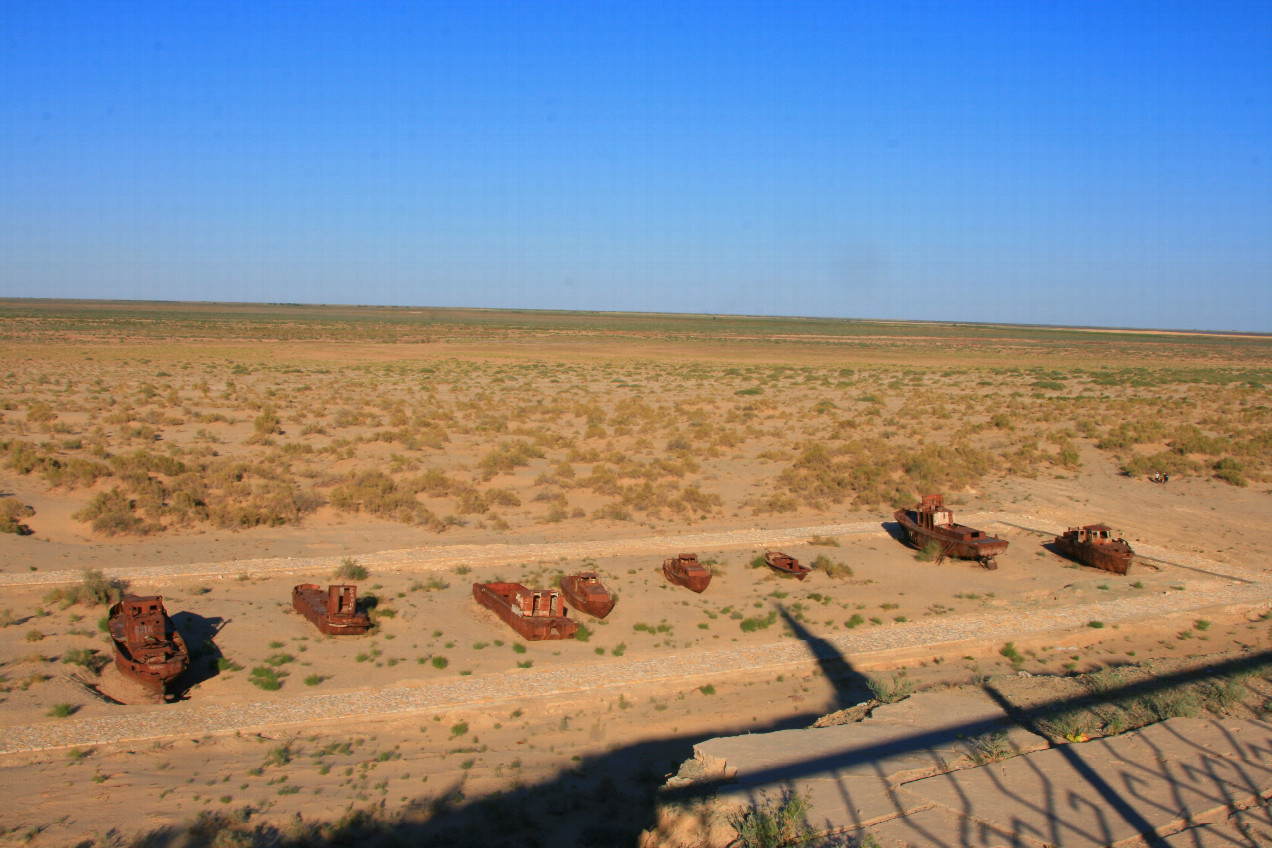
(609, 799)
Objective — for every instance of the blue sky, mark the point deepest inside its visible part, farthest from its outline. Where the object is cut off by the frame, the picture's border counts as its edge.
(1101, 163)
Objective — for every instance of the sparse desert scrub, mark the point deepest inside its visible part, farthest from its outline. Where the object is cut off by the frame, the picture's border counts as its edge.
(12, 511)
(420, 440)
(94, 589)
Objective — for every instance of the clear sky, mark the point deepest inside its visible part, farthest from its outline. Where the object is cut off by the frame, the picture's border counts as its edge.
(1104, 163)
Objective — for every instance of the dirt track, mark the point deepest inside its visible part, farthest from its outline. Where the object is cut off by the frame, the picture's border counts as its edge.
(1242, 589)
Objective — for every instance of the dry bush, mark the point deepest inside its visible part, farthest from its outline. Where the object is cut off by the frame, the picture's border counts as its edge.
(376, 493)
(12, 511)
(111, 513)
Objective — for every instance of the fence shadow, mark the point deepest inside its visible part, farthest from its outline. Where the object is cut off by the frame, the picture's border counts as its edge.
(609, 799)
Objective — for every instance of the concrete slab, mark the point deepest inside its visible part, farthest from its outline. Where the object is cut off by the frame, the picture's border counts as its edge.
(836, 803)
(938, 827)
(1110, 790)
(1233, 738)
(900, 741)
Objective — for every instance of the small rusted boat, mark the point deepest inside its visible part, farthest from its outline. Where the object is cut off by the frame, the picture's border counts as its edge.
(685, 570)
(148, 648)
(334, 611)
(585, 592)
(930, 522)
(783, 564)
(1095, 546)
(534, 613)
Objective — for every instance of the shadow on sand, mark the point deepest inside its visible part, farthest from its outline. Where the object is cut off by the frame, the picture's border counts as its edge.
(611, 798)
(199, 633)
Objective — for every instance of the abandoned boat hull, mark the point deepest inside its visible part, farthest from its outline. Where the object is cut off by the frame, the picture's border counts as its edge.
(930, 522)
(1095, 546)
(537, 614)
(784, 564)
(148, 648)
(685, 570)
(333, 611)
(585, 593)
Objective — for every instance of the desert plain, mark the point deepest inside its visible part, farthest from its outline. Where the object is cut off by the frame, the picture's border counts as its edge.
(219, 454)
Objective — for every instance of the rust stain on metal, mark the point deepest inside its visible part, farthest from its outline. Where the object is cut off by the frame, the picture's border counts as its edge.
(1095, 546)
(784, 564)
(685, 570)
(334, 612)
(148, 649)
(930, 521)
(534, 613)
(585, 592)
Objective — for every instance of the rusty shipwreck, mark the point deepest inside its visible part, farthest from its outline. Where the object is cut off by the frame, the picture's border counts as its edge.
(585, 592)
(148, 648)
(1095, 546)
(929, 522)
(534, 613)
(333, 611)
(785, 564)
(685, 570)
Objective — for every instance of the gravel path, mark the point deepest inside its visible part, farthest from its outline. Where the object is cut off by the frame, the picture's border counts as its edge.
(1249, 590)
(440, 557)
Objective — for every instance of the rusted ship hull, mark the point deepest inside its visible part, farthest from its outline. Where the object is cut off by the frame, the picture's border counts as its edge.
(333, 611)
(1095, 546)
(930, 522)
(148, 649)
(585, 593)
(685, 570)
(536, 615)
(783, 564)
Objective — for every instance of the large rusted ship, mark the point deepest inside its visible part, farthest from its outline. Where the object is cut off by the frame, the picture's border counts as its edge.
(148, 648)
(334, 611)
(534, 613)
(1095, 546)
(585, 592)
(784, 564)
(685, 570)
(930, 522)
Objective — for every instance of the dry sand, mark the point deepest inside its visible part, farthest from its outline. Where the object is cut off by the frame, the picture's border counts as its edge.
(594, 725)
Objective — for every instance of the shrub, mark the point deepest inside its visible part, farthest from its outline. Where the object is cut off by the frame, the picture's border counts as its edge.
(1013, 654)
(891, 691)
(837, 570)
(88, 658)
(269, 679)
(929, 552)
(111, 514)
(94, 589)
(750, 625)
(350, 570)
(774, 823)
(1170, 703)
(12, 511)
(1230, 471)
(379, 494)
(62, 710)
(440, 662)
(989, 748)
(1072, 725)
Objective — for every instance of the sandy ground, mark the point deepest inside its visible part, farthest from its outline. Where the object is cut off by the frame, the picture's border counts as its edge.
(633, 736)
(683, 408)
